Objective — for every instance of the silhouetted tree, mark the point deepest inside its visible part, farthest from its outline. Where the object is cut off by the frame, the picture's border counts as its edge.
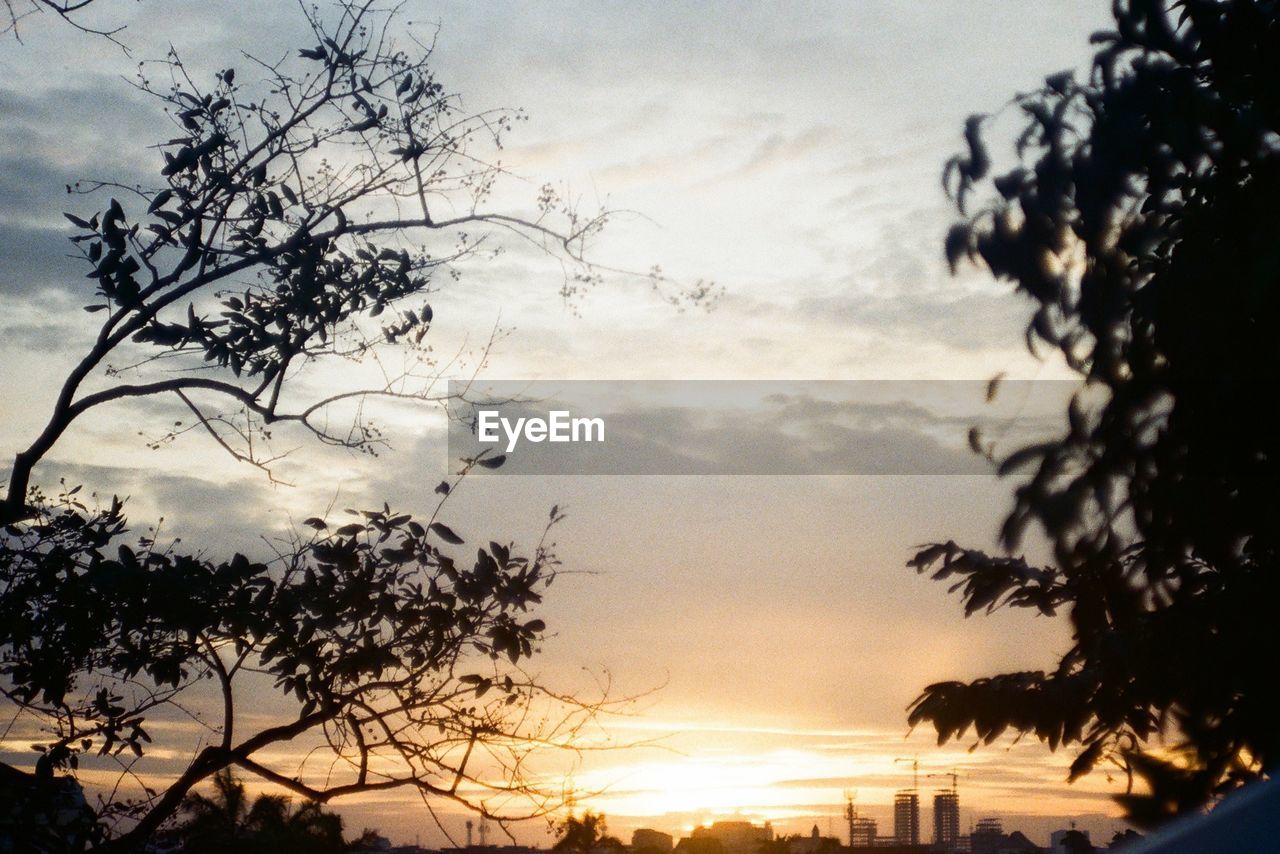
(777, 845)
(298, 222)
(1141, 223)
(584, 835)
(1124, 838)
(404, 664)
(229, 821)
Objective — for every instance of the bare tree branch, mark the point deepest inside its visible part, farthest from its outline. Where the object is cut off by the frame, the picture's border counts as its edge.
(16, 11)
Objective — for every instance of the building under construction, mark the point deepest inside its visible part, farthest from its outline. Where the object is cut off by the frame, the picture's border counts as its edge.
(946, 819)
(862, 832)
(906, 817)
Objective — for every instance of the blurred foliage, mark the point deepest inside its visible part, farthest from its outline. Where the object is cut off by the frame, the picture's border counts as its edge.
(1141, 222)
(583, 835)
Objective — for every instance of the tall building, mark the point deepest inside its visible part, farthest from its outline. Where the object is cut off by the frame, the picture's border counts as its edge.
(862, 832)
(906, 817)
(946, 819)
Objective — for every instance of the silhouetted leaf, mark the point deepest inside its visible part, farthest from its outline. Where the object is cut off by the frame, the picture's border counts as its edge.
(446, 533)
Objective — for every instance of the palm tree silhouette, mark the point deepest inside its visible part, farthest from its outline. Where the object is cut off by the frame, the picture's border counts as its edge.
(269, 824)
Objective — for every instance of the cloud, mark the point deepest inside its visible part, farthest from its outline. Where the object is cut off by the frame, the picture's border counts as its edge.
(54, 139)
(779, 150)
(31, 185)
(36, 258)
(98, 129)
(48, 338)
(220, 516)
(966, 321)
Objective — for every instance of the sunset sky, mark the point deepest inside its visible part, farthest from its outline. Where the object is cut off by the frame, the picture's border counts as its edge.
(790, 153)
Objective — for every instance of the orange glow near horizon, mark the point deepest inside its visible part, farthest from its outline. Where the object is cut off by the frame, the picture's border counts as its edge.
(713, 786)
(801, 778)
(695, 774)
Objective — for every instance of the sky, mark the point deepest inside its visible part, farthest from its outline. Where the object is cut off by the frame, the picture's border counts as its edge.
(791, 154)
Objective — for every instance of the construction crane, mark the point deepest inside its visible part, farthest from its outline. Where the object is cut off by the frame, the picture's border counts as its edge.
(915, 770)
(953, 774)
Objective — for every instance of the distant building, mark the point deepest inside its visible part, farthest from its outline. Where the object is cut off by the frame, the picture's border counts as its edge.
(987, 837)
(701, 845)
(736, 837)
(489, 849)
(906, 817)
(946, 819)
(862, 833)
(371, 842)
(645, 839)
(811, 844)
(814, 843)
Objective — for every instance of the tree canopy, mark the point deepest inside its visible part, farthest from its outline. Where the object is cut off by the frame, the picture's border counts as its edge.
(1141, 223)
(229, 820)
(584, 835)
(298, 222)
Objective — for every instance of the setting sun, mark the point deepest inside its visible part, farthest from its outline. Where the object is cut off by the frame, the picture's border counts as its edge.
(713, 787)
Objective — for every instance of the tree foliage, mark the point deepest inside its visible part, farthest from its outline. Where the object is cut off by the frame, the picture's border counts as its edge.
(268, 824)
(584, 835)
(299, 220)
(405, 664)
(1141, 222)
